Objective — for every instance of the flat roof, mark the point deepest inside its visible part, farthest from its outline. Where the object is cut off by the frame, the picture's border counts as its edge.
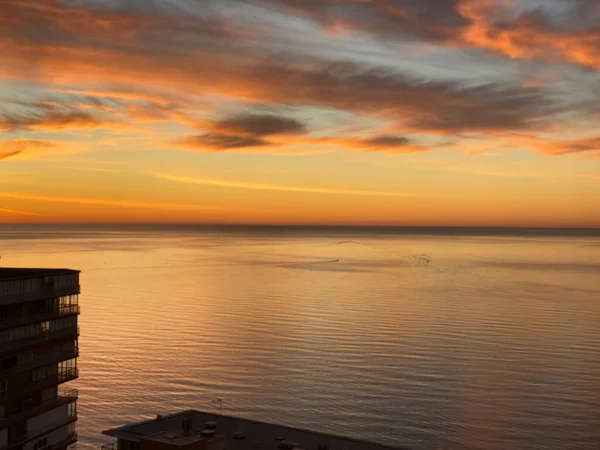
(181, 438)
(17, 273)
(262, 433)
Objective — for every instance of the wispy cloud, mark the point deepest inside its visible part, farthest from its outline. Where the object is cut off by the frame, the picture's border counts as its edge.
(277, 187)
(52, 119)
(92, 169)
(589, 176)
(105, 202)
(20, 213)
(23, 147)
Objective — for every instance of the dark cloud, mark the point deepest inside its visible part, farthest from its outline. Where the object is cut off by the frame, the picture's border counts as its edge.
(15, 147)
(5, 154)
(376, 143)
(430, 20)
(128, 30)
(260, 125)
(243, 131)
(570, 33)
(221, 142)
(388, 141)
(413, 103)
(132, 46)
(51, 119)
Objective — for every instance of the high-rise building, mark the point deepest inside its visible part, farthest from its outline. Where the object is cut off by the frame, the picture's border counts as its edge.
(38, 353)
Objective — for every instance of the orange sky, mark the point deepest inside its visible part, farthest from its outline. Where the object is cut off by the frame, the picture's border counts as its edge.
(420, 112)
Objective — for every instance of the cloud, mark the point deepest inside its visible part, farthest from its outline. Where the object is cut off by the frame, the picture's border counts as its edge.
(15, 147)
(271, 132)
(92, 169)
(556, 147)
(242, 131)
(377, 143)
(546, 146)
(151, 111)
(589, 176)
(276, 187)
(104, 202)
(216, 60)
(18, 212)
(195, 50)
(534, 34)
(258, 125)
(51, 115)
(219, 142)
(4, 155)
(505, 28)
(429, 20)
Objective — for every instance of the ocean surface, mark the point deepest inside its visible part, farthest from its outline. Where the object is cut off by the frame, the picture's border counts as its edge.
(432, 339)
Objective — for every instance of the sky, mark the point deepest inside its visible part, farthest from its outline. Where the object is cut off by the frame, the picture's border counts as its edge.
(336, 112)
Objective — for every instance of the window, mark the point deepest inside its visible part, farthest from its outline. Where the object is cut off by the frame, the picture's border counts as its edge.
(10, 362)
(48, 281)
(26, 403)
(73, 409)
(45, 326)
(42, 443)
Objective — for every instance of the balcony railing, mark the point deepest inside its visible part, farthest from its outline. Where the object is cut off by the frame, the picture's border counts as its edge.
(11, 322)
(64, 396)
(40, 292)
(68, 375)
(36, 433)
(70, 439)
(38, 339)
(52, 380)
(54, 357)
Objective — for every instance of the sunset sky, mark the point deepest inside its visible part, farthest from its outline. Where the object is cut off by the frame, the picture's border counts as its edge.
(383, 112)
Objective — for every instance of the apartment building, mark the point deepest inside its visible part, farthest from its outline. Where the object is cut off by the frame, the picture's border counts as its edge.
(39, 309)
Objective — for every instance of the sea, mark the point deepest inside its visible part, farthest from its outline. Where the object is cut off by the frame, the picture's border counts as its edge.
(428, 338)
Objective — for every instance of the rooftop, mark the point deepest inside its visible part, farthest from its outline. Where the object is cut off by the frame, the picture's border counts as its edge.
(14, 273)
(181, 438)
(249, 434)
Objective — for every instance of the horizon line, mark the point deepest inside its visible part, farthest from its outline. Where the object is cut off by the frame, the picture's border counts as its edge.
(303, 225)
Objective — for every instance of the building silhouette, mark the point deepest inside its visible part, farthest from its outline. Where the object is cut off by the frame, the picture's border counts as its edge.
(39, 309)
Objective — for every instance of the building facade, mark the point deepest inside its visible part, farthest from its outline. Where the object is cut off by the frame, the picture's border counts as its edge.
(39, 309)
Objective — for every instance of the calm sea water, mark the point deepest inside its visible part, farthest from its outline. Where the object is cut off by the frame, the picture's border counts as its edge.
(442, 341)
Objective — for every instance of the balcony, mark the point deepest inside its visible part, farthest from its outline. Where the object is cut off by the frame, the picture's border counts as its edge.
(32, 341)
(64, 396)
(41, 291)
(53, 380)
(12, 322)
(54, 357)
(30, 435)
(69, 440)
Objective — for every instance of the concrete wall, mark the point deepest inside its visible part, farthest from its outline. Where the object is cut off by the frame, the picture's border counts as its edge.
(3, 437)
(49, 393)
(217, 443)
(53, 438)
(48, 419)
